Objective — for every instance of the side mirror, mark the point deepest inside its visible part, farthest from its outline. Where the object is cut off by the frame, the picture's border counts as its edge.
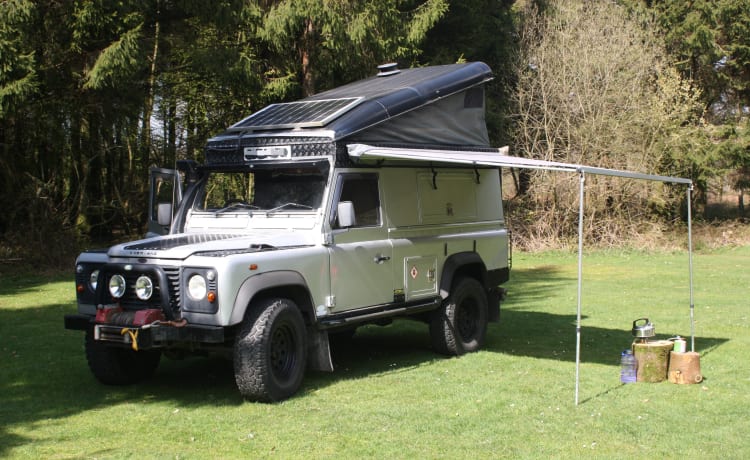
(164, 214)
(345, 213)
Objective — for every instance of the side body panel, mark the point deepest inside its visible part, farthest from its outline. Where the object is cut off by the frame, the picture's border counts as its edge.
(240, 277)
(435, 213)
(427, 216)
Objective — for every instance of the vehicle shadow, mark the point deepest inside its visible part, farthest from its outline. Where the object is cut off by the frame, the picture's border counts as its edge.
(524, 330)
(529, 334)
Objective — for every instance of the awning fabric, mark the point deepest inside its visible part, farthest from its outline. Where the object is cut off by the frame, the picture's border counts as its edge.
(499, 158)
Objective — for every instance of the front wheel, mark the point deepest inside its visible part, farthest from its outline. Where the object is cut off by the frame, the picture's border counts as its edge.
(270, 351)
(460, 324)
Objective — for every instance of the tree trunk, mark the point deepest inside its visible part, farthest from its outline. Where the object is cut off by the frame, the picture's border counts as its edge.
(524, 182)
(653, 360)
(171, 130)
(308, 46)
(685, 367)
(94, 176)
(148, 108)
(741, 202)
(75, 170)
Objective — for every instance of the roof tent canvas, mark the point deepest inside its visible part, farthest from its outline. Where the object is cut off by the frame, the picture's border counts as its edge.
(436, 105)
(457, 120)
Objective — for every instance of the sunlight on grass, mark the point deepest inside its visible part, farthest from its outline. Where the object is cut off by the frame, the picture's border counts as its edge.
(392, 397)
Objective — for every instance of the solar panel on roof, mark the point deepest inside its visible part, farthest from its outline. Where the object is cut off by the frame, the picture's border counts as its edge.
(300, 114)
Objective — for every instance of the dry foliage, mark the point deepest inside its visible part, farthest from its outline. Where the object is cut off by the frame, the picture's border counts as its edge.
(594, 88)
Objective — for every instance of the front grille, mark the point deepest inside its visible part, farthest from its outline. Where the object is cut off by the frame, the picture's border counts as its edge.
(173, 276)
(166, 282)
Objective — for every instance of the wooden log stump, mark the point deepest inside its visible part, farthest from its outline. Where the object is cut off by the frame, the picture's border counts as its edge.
(653, 360)
(685, 368)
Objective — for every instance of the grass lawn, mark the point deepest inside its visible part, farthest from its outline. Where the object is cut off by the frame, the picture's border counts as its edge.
(392, 397)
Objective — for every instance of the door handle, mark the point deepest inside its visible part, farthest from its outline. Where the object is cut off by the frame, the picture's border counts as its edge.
(379, 259)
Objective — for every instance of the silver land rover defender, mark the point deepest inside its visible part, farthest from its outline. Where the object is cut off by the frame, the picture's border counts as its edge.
(306, 219)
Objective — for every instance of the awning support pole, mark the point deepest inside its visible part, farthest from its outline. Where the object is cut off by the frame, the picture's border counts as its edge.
(690, 264)
(580, 276)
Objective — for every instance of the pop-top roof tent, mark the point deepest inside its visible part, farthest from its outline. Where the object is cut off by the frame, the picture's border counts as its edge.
(420, 107)
(429, 114)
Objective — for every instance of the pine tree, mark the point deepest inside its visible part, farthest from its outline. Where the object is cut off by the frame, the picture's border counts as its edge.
(314, 44)
(18, 78)
(710, 40)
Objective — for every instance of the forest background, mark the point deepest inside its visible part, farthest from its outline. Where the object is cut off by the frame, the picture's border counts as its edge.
(93, 93)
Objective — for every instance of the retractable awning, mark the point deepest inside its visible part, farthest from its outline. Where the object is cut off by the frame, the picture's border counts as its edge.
(500, 158)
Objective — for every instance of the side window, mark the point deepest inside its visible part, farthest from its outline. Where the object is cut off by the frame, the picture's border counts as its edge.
(361, 189)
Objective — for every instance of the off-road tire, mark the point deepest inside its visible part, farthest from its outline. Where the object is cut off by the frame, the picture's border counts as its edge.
(459, 326)
(270, 351)
(119, 366)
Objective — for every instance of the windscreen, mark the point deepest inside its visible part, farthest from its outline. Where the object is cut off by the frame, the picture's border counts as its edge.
(293, 189)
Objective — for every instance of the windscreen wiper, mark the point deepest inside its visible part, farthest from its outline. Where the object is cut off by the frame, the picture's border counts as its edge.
(288, 205)
(236, 205)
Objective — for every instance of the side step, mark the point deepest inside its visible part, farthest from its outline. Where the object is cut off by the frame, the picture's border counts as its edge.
(373, 313)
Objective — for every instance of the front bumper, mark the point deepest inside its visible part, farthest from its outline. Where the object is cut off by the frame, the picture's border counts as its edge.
(154, 335)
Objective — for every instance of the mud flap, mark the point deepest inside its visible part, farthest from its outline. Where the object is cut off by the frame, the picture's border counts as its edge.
(494, 297)
(319, 351)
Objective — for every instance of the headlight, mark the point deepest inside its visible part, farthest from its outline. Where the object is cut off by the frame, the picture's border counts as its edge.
(197, 287)
(117, 286)
(94, 280)
(144, 287)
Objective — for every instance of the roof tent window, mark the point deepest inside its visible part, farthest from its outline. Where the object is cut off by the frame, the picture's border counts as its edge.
(474, 98)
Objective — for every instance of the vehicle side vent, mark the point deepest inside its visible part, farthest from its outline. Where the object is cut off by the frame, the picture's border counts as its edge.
(390, 68)
(165, 244)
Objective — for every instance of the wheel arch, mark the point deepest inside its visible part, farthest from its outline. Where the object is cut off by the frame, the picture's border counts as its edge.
(284, 283)
(471, 264)
(462, 264)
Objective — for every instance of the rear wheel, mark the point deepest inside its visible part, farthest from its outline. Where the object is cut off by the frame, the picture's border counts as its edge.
(460, 324)
(119, 366)
(270, 351)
